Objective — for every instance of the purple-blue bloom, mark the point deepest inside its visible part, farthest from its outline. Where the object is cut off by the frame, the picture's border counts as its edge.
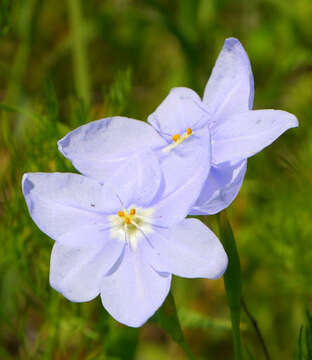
(236, 131)
(121, 240)
(120, 228)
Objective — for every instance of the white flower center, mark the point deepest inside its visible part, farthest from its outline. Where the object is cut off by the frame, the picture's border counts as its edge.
(131, 225)
(177, 139)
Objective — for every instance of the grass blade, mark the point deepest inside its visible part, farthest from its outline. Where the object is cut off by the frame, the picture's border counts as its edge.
(232, 281)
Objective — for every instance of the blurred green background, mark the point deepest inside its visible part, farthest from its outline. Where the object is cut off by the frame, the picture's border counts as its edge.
(63, 63)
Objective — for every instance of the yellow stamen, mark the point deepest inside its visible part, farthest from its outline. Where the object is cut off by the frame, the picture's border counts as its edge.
(121, 213)
(127, 220)
(132, 211)
(189, 131)
(176, 137)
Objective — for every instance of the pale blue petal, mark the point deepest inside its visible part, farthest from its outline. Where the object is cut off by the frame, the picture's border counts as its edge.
(189, 159)
(95, 234)
(245, 134)
(136, 180)
(181, 109)
(100, 147)
(230, 88)
(77, 272)
(185, 170)
(63, 202)
(220, 189)
(189, 249)
(135, 290)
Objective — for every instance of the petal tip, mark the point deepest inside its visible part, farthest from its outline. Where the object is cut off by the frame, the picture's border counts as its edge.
(24, 177)
(290, 119)
(131, 321)
(222, 266)
(62, 143)
(294, 121)
(231, 42)
(27, 185)
(134, 323)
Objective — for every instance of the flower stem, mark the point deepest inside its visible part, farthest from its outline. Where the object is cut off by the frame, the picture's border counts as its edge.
(79, 51)
(232, 281)
(167, 318)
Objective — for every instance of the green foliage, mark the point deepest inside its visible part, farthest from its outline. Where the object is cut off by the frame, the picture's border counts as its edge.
(232, 281)
(167, 317)
(61, 66)
(119, 94)
(5, 13)
(194, 320)
(304, 351)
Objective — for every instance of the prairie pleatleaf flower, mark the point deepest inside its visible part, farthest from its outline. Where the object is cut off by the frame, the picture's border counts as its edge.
(236, 131)
(112, 241)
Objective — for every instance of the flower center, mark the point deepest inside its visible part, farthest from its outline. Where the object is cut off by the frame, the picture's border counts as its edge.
(129, 218)
(131, 225)
(178, 139)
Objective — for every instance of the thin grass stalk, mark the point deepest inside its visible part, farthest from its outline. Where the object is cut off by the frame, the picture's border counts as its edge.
(167, 317)
(79, 49)
(18, 68)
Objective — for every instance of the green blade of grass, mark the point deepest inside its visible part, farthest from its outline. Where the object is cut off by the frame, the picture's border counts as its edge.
(79, 51)
(232, 281)
(167, 317)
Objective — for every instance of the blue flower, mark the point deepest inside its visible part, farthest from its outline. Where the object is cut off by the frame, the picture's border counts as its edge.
(236, 131)
(120, 228)
(121, 240)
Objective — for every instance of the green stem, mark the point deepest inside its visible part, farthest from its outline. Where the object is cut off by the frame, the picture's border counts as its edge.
(167, 318)
(235, 318)
(232, 281)
(79, 51)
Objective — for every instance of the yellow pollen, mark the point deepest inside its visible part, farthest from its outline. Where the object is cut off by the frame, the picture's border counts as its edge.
(176, 137)
(127, 220)
(121, 213)
(132, 211)
(189, 131)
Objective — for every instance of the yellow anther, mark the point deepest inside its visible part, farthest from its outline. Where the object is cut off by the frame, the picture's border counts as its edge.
(127, 220)
(121, 213)
(189, 131)
(176, 137)
(132, 211)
